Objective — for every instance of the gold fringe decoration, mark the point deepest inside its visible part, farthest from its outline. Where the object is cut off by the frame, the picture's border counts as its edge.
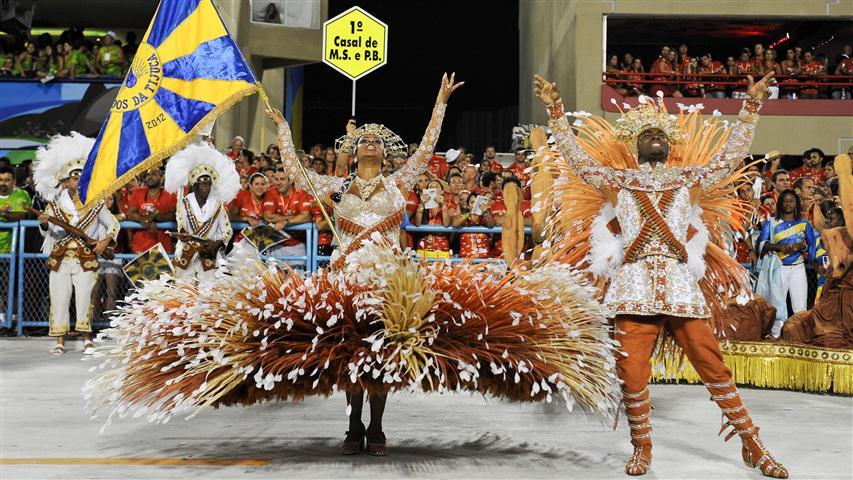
(773, 365)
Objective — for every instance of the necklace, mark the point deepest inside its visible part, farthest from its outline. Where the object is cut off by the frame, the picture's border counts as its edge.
(366, 187)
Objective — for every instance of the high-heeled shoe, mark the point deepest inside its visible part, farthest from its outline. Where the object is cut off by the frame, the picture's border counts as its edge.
(376, 444)
(354, 443)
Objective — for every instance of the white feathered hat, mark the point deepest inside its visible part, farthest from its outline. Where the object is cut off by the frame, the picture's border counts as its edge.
(54, 162)
(198, 160)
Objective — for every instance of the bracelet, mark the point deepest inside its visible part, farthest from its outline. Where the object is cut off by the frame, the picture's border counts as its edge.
(555, 110)
(752, 105)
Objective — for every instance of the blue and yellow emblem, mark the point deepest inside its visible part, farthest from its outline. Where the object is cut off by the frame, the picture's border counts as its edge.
(186, 72)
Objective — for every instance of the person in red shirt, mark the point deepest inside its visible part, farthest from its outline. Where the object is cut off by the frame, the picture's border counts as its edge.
(248, 206)
(757, 59)
(490, 155)
(473, 245)
(148, 205)
(743, 66)
(790, 67)
(844, 67)
(491, 182)
(454, 186)
(520, 165)
(433, 245)
(811, 167)
(811, 67)
(707, 65)
(287, 206)
(498, 209)
(665, 67)
(236, 147)
(324, 233)
(470, 177)
(682, 59)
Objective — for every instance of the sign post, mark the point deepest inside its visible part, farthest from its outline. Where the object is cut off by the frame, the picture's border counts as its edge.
(355, 43)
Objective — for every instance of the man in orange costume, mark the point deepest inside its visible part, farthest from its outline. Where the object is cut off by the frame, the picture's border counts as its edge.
(656, 259)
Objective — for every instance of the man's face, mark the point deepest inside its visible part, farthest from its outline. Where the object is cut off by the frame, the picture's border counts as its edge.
(806, 190)
(108, 40)
(154, 178)
(316, 151)
(730, 61)
(759, 50)
(202, 186)
(783, 182)
(319, 166)
(682, 49)
(789, 203)
(237, 145)
(814, 160)
(7, 181)
(652, 144)
(456, 185)
(282, 182)
(807, 57)
(490, 153)
(745, 193)
(520, 156)
(469, 174)
(744, 57)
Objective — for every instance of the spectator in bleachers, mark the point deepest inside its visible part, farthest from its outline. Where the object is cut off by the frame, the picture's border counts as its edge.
(627, 61)
(758, 56)
(614, 72)
(148, 205)
(48, 64)
(110, 58)
(795, 241)
(491, 183)
(828, 170)
(108, 281)
(248, 205)
(636, 87)
(454, 187)
(682, 59)
(707, 65)
(316, 151)
(490, 155)
(664, 67)
(781, 181)
(26, 61)
(473, 245)
(844, 67)
(432, 210)
(835, 218)
(811, 67)
(319, 165)
(236, 147)
(804, 188)
(789, 66)
(519, 167)
(470, 177)
(811, 167)
(245, 163)
(13, 201)
(768, 65)
(274, 153)
(329, 157)
(768, 206)
(287, 205)
(743, 66)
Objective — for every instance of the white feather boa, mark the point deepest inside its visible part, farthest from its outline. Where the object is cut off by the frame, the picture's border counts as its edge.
(606, 250)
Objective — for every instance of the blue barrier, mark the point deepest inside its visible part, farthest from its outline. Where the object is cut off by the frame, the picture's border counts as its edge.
(11, 261)
(40, 304)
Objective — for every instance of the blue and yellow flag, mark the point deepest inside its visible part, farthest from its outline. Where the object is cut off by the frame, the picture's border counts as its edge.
(187, 72)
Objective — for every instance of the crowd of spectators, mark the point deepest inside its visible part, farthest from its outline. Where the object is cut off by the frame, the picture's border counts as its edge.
(72, 56)
(678, 74)
(783, 205)
(457, 190)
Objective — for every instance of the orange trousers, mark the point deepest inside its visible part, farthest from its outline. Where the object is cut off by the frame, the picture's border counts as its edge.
(637, 335)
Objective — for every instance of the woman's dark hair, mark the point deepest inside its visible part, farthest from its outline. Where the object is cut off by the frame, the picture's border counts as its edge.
(798, 210)
(840, 212)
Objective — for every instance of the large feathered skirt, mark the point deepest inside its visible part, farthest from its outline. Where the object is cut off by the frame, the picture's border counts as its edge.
(384, 322)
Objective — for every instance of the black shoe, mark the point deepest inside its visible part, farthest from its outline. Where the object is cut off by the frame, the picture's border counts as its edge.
(354, 442)
(376, 444)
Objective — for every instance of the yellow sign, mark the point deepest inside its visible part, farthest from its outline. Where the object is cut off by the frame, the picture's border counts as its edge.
(355, 43)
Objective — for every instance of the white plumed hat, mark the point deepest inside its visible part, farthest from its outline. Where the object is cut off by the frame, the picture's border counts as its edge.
(197, 160)
(54, 162)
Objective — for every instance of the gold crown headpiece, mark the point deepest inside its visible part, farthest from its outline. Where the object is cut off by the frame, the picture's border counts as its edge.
(394, 145)
(204, 170)
(648, 114)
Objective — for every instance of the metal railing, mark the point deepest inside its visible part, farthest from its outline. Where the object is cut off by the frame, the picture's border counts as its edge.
(26, 276)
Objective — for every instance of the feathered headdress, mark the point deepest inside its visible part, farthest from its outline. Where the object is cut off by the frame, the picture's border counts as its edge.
(55, 162)
(198, 160)
(648, 114)
(394, 145)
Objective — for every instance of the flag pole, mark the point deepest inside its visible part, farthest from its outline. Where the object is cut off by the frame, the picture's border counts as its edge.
(269, 108)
